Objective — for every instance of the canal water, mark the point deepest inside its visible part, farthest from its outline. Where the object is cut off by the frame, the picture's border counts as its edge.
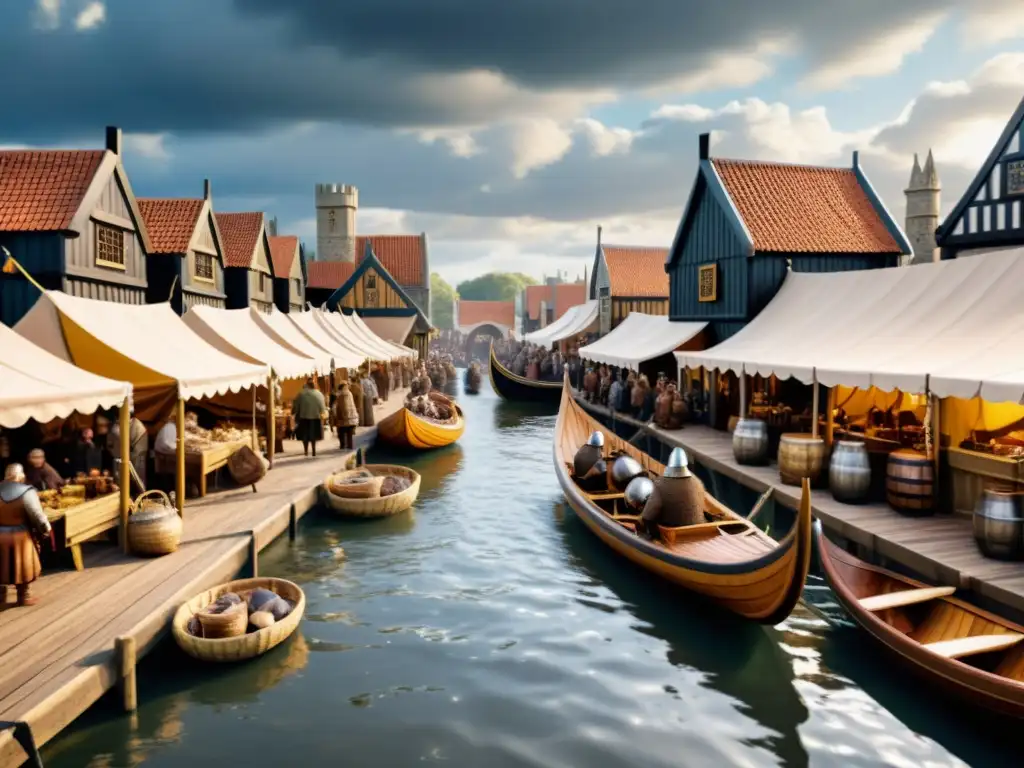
(490, 628)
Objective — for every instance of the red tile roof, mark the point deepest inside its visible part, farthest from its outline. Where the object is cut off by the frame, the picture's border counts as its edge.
(499, 312)
(637, 271)
(240, 232)
(804, 209)
(284, 249)
(42, 190)
(329, 275)
(401, 255)
(170, 222)
(567, 296)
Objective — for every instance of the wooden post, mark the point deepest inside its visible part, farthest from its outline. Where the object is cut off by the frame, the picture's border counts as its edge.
(830, 423)
(814, 406)
(124, 647)
(255, 434)
(254, 555)
(936, 435)
(293, 522)
(124, 422)
(743, 391)
(271, 420)
(179, 475)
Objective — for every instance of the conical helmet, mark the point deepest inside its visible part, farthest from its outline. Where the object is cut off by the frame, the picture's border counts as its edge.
(596, 439)
(678, 466)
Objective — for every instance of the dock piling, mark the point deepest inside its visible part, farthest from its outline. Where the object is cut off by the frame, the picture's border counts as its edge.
(254, 554)
(293, 522)
(125, 647)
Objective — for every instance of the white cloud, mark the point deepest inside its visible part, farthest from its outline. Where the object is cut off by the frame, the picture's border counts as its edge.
(91, 16)
(149, 145)
(537, 143)
(993, 21)
(47, 14)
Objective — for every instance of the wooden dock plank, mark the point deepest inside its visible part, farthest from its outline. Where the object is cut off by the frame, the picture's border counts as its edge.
(57, 657)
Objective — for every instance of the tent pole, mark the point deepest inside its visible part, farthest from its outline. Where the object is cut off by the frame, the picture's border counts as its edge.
(125, 479)
(936, 435)
(255, 436)
(743, 391)
(814, 406)
(179, 476)
(830, 424)
(271, 421)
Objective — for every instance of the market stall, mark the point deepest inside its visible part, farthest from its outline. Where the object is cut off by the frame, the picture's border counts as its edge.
(575, 321)
(149, 346)
(36, 385)
(639, 338)
(361, 325)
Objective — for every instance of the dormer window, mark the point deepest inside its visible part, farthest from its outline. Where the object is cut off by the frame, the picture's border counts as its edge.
(204, 267)
(109, 246)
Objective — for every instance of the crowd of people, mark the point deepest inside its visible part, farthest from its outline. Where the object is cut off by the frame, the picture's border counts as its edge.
(352, 401)
(535, 362)
(627, 392)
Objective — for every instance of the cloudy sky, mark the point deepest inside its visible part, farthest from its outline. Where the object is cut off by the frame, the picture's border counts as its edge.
(507, 130)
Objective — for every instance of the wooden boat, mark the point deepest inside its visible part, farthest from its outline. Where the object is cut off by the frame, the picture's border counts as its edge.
(245, 646)
(376, 506)
(404, 429)
(729, 561)
(512, 387)
(473, 380)
(971, 653)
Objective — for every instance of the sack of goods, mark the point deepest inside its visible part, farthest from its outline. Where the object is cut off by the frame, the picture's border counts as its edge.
(232, 615)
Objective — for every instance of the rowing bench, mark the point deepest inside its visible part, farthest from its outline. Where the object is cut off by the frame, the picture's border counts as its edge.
(969, 646)
(904, 597)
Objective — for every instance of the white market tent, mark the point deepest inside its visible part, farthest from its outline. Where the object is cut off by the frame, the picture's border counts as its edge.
(347, 338)
(361, 326)
(575, 321)
(392, 329)
(638, 338)
(344, 355)
(234, 332)
(147, 345)
(277, 326)
(35, 384)
(953, 328)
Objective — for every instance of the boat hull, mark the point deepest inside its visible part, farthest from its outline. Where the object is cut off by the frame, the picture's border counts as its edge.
(520, 389)
(995, 692)
(764, 588)
(404, 429)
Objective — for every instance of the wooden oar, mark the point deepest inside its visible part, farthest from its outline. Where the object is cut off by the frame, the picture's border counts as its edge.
(761, 502)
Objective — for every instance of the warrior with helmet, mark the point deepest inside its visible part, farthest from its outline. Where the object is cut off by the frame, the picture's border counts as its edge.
(677, 498)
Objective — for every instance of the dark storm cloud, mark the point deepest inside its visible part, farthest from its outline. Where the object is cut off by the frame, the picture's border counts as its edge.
(197, 65)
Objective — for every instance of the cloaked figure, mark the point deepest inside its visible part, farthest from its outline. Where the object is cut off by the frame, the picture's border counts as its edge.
(677, 498)
(21, 516)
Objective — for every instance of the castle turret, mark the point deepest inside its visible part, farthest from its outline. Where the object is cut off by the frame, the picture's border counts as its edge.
(336, 206)
(923, 199)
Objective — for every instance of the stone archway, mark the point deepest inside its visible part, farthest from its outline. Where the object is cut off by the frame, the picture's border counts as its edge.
(494, 330)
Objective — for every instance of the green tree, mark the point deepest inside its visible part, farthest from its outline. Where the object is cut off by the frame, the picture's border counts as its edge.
(495, 286)
(442, 299)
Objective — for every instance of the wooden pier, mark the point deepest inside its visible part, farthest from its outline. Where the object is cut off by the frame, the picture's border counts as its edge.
(60, 656)
(939, 549)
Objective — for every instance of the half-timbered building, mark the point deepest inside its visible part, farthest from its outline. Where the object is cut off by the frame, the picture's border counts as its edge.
(626, 279)
(288, 260)
(990, 215)
(747, 223)
(70, 218)
(384, 305)
(248, 278)
(186, 260)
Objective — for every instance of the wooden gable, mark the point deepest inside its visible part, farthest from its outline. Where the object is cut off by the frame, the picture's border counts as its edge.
(373, 288)
(991, 211)
(261, 256)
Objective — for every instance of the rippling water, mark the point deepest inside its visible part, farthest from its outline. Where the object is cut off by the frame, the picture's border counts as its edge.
(489, 628)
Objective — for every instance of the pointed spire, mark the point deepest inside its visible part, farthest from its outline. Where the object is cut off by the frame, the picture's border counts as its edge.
(929, 175)
(915, 174)
(368, 250)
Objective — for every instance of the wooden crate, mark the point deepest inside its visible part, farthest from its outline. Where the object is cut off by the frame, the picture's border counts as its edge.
(199, 464)
(73, 525)
(973, 472)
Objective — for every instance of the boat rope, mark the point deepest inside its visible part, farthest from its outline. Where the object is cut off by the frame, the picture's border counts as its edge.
(23, 735)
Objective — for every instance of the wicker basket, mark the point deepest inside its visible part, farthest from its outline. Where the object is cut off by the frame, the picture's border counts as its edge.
(230, 623)
(356, 484)
(246, 467)
(381, 506)
(154, 527)
(245, 646)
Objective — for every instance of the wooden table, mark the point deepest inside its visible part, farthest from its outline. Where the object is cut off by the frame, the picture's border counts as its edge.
(199, 464)
(73, 525)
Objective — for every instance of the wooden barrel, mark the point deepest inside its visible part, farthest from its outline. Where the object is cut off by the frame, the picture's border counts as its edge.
(800, 456)
(750, 442)
(849, 471)
(999, 525)
(910, 482)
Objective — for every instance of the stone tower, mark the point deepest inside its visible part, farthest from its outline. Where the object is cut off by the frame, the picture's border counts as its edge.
(923, 193)
(336, 206)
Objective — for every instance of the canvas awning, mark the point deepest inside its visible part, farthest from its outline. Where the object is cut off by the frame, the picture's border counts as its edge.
(234, 332)
(393, 329)
(343, 325)
(346, 336)
(951, 327)
(147, 345)
(360, 325)
(277, 326)
(35, 384)
(638, 338)
(576, 320)
(344, 355)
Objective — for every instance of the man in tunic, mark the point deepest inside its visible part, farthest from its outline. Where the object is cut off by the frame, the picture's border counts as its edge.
(588, 455)
(355, 387)
(677, 498)
(369, 396)
(307, 407)
(41, 475)
(21, 514)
